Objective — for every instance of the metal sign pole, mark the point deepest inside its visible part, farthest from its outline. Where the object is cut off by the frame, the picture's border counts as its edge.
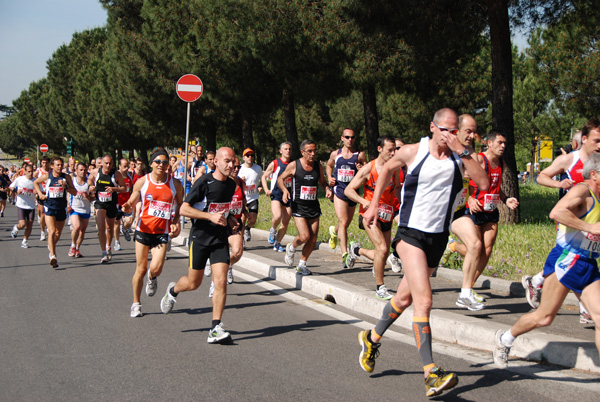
(187, 137)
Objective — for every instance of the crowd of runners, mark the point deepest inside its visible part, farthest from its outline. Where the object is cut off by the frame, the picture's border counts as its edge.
(431, 189)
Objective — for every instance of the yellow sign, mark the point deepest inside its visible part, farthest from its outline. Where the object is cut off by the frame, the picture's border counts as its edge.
(544, 152)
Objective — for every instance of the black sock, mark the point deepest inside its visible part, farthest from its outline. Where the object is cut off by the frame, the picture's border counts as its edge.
(215, 323)
(369, 337)
(356, 250)
(378, 286)
(172, 292)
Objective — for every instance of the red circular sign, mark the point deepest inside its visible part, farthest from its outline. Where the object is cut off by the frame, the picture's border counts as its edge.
(44, 148)
(189, 88)
(27, 160)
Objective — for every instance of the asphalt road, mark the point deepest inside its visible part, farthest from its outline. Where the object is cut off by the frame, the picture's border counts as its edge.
(66, 335)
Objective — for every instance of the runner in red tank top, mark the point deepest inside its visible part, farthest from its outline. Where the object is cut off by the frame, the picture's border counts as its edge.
(380, 233)
(159, 218)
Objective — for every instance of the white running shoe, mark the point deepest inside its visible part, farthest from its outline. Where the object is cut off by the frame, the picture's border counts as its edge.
(211, 290)
(24, 244)
(469, 303)
(500, 352)
(53, 261)
(395, 263)
(14, 232)
(382, 293)
(532, 293)
(351, 254)
(117, 245)
(230, 276)
(272, 236)
(71, 252)
(207, 269)
(289, 255)
(302, 270)
(104, 259)
(151, 285)
(43, 236)
(136, 310)
(167, 302)
(109, 253)
(218, 335)
(247, 235)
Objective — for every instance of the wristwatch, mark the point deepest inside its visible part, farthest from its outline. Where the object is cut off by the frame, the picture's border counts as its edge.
(464, 153)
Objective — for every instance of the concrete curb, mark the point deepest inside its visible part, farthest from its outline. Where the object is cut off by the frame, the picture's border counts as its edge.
(449, 327)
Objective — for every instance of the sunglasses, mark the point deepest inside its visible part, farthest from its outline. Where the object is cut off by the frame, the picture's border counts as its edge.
(450, 130)
(161, 161)
(237, 167)
(349, 137)
(397, 148)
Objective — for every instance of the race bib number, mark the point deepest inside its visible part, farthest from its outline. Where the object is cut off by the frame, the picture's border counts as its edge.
(490, 202)
(288, 182)
(159, 209)
(104, 196)
(308, 193)
(27, 192)
(345, 175)
(79, 195)
(251, 190)
(43, 187)
(215, 208)
(236, 208)
(463, 197)
(385, 212)
(55, 192)
(591, 242)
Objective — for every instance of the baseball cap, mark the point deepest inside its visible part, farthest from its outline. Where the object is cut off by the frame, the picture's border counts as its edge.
(248, 151)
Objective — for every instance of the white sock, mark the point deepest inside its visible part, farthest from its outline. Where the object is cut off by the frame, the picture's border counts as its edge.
(15, 228)
(302, 263)
(582, 308)
(507, 339)
(292, 249)
(72, 245)
(538, 280)
(466, 292)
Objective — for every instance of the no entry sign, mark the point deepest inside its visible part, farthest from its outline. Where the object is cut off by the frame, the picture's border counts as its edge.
(189, 88)
(44, 148)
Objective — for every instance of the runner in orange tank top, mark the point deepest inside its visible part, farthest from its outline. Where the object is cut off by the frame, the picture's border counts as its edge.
(380, 232)
(159, 218)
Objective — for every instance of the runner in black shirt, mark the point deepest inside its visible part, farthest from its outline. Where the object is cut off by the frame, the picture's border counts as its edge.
(307, 173)
(208, 205)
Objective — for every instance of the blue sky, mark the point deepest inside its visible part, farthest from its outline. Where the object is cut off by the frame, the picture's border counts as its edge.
(31, 30)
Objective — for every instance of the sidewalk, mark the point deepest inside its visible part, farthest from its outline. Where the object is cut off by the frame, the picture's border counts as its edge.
(565, 343)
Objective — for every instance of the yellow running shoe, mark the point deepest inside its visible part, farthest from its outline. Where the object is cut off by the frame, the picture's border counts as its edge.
(333, 238)
(439, 381)
(369, 352)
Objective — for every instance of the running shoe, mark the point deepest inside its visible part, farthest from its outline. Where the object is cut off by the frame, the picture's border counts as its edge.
(151, 285)
(109, 253)
(207, 269)
(125, 233)
(136, 310)
(532, 293)
(117, 245)
(78, 254)
(352, 256)
(272, 234)
(218, 335)
(230, 276)
(167, 302)
(53, 261)
(247, 235)
(439, 381)
(104, 259)
(211, 290)
(479, 298)
(395, 263)
(382, 293)
(14, 232)
(279, 248)
(585, 318)
(24, 244)
(302, 270)
(71, 252)
(368, 353)
(333, 238)
(43, 236)
(469, 303)
(500, 352)
(289, 255)
(345, 260)
(447, 253)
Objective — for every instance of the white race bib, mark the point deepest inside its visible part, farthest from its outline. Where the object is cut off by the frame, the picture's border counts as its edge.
(490, 202)
(251, 190)
(104, 196)
(385, 212)
(55, 192)
(159, 209)
(308, 193)
(236, 207)
(216, 207)
(27, 192)
(591, 242)
(345, 175)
